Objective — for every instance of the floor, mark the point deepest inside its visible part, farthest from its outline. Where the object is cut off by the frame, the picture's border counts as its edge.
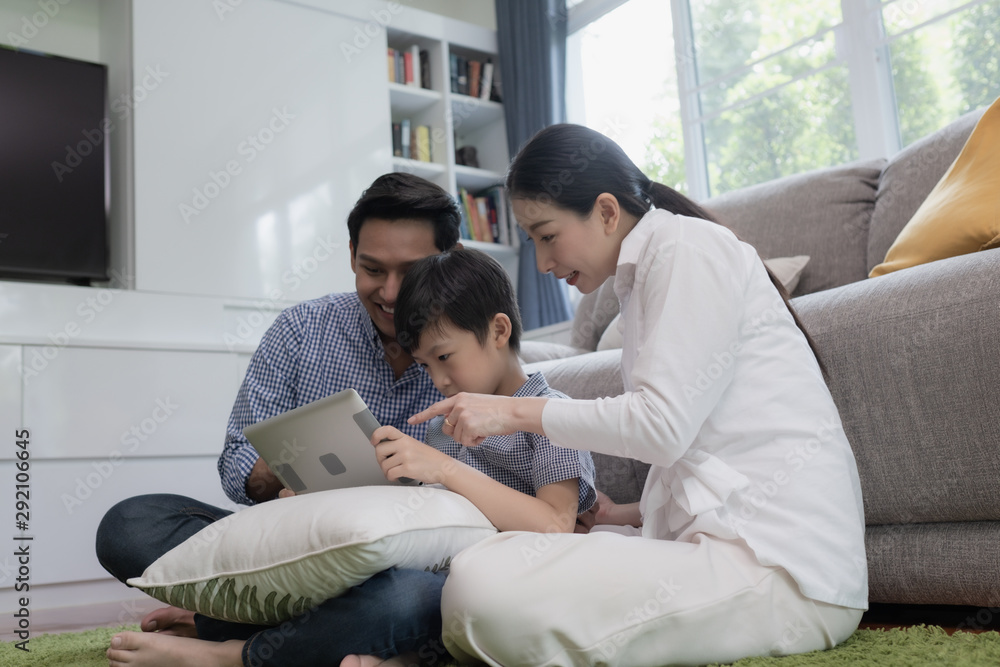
(879, 616)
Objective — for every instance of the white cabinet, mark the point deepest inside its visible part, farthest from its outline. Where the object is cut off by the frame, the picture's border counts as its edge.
(252, 142)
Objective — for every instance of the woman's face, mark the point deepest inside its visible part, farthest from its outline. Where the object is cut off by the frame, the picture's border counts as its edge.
(580, 250)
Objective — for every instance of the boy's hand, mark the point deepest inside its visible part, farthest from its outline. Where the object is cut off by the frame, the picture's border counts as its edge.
(401, 455)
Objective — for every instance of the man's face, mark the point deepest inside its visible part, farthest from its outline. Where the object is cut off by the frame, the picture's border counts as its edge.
(385, 252)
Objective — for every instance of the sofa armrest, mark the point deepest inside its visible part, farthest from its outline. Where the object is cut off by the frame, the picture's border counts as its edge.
(911, 359)
(533, 351)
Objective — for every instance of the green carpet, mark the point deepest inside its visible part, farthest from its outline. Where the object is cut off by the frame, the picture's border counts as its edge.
(919, 646)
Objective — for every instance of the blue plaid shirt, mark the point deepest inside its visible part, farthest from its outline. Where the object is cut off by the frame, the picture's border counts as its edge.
(312, 350)
(523, 461)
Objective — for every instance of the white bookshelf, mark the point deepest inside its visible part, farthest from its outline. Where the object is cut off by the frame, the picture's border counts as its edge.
(455, 120)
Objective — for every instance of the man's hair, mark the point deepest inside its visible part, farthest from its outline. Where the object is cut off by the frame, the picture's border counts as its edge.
(399, 196)
(462, 286)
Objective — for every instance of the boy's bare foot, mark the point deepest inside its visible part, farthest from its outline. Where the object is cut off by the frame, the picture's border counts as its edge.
(140, 649)
(170, 621)
(404, 660)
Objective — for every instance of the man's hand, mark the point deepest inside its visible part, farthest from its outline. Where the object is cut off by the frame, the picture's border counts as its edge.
(262, 485)
(400, 455)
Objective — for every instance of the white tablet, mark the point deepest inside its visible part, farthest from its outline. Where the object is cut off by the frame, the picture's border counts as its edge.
(322, 445)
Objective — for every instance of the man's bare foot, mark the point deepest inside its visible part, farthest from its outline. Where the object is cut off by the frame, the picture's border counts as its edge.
(404, 660)
(140, 649)
(170, 621)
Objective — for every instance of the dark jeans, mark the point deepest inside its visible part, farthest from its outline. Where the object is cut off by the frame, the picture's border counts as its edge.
(396, 611)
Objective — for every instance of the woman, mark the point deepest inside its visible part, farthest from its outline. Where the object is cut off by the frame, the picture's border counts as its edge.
(752, 535)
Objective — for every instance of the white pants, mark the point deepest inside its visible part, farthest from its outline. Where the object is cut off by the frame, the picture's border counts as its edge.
(537, 599)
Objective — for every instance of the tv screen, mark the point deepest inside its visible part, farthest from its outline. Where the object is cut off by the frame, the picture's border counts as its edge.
(54, 183)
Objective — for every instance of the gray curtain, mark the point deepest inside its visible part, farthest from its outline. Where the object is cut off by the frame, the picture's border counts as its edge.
(531, 36)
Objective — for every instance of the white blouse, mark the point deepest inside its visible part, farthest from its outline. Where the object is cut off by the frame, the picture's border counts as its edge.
(726, 401)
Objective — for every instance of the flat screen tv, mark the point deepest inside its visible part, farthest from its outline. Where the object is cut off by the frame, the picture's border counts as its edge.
(54, 173)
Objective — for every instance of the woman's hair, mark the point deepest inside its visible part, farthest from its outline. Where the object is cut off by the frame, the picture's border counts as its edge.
(568, 166)
(462, 286)
(399, 196)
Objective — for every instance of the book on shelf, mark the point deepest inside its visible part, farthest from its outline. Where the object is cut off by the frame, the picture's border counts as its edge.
(486, 217)
(420, 144)
(475, 78)
(397, 140)
(486, 85)
(405, 136)
(411, 141)
(425, 70)
(410, 67)
(463, 76)
(475, 70)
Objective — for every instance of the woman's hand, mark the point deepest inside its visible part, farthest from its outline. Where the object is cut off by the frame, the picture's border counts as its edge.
(400, 455)
(471, 418)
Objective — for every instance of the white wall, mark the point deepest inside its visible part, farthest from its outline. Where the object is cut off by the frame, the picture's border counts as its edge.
(70, 29)
(478, 12)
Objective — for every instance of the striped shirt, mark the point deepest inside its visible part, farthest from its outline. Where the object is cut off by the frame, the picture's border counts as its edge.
(523, 461)
(315, 349)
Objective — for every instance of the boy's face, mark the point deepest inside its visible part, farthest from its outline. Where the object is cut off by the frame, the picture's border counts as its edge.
(386, 250)
(457, 362)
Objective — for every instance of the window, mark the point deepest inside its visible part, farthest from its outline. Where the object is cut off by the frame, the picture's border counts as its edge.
(625, 85)
(767, 88)
(773, 98)
(945, 60)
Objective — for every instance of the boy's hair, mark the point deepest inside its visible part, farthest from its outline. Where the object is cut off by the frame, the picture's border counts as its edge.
(398, 196)
(462, 286)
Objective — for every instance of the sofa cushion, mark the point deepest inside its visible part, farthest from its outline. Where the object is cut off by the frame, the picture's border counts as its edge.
(936, 563)
(909, 360)
(822, 213)
(908, 179)
(962, 213)
(542, 350)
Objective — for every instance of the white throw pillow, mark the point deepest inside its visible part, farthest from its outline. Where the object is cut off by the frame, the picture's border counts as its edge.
(787, 270)
(273, 561)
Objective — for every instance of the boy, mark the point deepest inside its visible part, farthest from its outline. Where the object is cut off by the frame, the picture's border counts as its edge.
(457, 316)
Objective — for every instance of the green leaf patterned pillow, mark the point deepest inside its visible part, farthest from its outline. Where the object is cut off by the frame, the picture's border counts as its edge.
(273, 561)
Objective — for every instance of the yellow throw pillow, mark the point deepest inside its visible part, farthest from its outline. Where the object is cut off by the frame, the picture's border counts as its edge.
(962, 213)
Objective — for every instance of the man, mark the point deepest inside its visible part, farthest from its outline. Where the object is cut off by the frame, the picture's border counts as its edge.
(312, 350)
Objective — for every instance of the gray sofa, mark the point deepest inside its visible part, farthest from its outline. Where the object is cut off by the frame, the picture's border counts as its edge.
(910, 358)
